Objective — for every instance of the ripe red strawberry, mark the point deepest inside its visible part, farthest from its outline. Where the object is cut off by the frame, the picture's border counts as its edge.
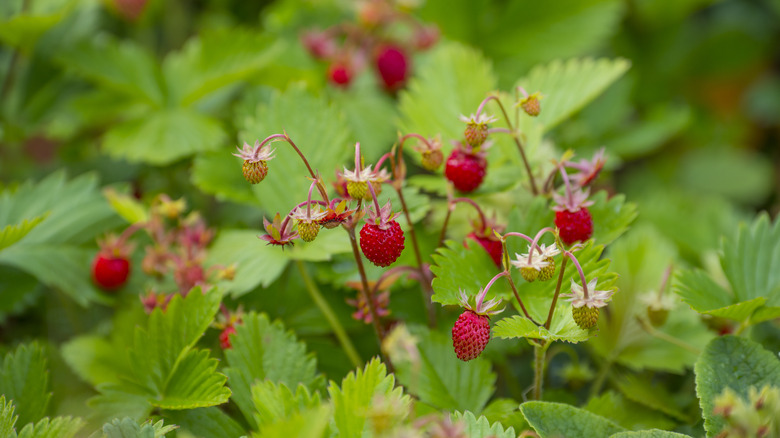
(381, 238)
(392, 64)
(339, 74)
(470, 335)
(574, 226)
(110, 272)
(465, 169)
(224, 337)
(492, 246)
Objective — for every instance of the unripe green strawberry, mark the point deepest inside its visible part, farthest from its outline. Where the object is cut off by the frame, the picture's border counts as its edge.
(357, 189)
(254, 172)
(548, 271)
(585, 317)
(529, 274)
(432, 159)
(657, 316)
(308, 230)
(531, 105)
(475, 134)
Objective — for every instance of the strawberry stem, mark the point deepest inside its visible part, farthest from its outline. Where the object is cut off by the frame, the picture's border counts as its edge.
(665, 281)
(534, 246)
(476, 207)
(512, 131)
(483, 292)
(565, 176)
(579, 270)
(555, 296)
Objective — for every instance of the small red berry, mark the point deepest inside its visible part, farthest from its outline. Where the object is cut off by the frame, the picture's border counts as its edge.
(110, 272)
(224, 337)
(382, 247)
(465, 170)
(470, 335)
(492, 246)
(393, 67)
(340, 75)
(574, 226)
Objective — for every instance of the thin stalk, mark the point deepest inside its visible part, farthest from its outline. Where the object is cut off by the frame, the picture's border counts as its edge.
(289, 141)
(540, 352)
(366, 289)
(512, 283)
(330, 316)
(666, 337)
(555, 296)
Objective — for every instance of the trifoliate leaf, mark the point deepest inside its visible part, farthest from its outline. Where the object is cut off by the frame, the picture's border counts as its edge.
(735, 363)
(654, 433)
(276, 402)
(481, 427)
(441, 380)
(750, 263)
(452, 82)
(359, 392)
(555, 419)
(25, 380)
(262, 350)
(317, 128)
(569, 85)
(128, 428)
(163, 137)
(59, 427)
(210, 422)
(216, 59)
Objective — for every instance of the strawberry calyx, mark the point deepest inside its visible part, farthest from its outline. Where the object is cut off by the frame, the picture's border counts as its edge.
(382, 218)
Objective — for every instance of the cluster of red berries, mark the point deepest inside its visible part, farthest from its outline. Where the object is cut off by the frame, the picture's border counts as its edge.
(347, 46)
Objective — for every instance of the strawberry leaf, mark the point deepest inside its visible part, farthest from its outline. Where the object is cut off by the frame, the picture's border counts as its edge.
(311, 423)
(736, 363)
(211, 422)
(25, 380)
(750, 261)
(481, 427)
(468, 268)
(7, 417)
(276, 402)
(14, 233)
(262, 350)
(128, 428)
(556, 419)
(359, 390)
(442, 381)
(59, 427)
(654, 433)
(626, 413)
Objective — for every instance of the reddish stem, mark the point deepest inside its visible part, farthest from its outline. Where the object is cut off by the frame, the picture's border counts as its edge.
(579, 269)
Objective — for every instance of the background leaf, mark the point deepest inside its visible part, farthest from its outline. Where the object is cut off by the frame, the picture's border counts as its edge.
(555, 419)
(24, 380)
(481, 427)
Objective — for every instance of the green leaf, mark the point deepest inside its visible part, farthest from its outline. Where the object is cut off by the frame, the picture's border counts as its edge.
(93, 359)
(370, 114)
(626, 413)
(654, 433)
(218, 173)
(644, 391)
(441, 380)
(750, 263)
(131, 209)
(262, 350)
(23, 31)
(7, 418)
(468, 268)
(14, 233)
(25, 380)
(128, 428)
(312, 423)
(275, 402)
(563, 328)
(452, 82)
(568, 86)
(124, 67)
(194, 383)
(216, 59)
(611, 217)
(259, 264)
(736, 363)
(556, 419)
(163, 137)
(318, 129)
(359, 390)
(641, 259)
(209, 422)
(59, 427)
(481, 428)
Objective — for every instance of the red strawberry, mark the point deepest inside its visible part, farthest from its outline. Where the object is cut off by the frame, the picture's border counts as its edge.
(466, 170)
(381, 238)
(224, 337)
(339, 75)
(574, 226)
(393, 67)
(110, 272)
(492, 246)
(470, 335)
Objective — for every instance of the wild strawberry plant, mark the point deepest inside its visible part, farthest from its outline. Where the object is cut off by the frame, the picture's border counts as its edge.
(440, 221)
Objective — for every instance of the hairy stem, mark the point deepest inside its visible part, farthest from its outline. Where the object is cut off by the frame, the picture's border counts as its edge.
(540, 351)
(555, 296)
(330, 316)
